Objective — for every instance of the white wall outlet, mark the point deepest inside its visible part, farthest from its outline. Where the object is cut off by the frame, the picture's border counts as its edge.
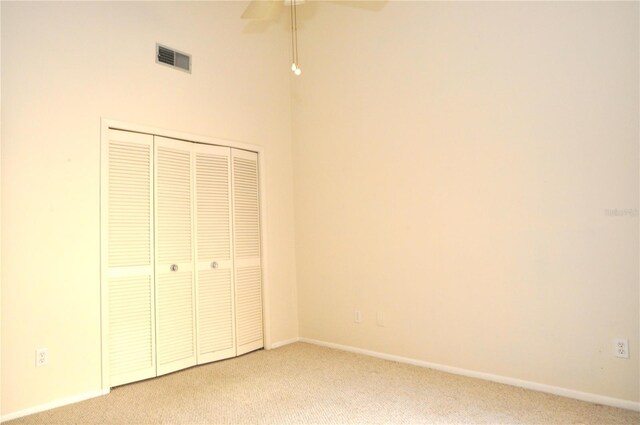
(357, 317)
(380, 319)
(42, 357)
(622, 348)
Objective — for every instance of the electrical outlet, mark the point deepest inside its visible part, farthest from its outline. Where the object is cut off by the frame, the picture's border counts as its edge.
(380, 319)
(42, 357)
(622, 348)
(357, 317)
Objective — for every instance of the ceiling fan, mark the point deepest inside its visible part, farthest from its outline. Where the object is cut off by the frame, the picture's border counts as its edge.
(265, 10)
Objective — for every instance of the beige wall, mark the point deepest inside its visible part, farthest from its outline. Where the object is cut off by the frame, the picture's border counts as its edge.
(0, 211)
(452, 167)
(71, 64)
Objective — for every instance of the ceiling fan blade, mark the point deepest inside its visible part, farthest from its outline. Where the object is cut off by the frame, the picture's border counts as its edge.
(262, 9)
(372, 6)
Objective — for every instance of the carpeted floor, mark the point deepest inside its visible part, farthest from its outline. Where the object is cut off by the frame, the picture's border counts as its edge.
(304, 384)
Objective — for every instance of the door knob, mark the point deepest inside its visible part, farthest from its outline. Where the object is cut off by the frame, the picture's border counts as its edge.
(174, 267)
(214, 265)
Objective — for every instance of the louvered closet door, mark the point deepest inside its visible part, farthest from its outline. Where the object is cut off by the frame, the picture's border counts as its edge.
(129, 224)
(248, 272)
(175, 289)
(214, 266)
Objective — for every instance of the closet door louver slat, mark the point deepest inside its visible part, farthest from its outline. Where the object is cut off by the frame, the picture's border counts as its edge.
(130, 289)
(216, 332)
(130, 325)
(248, 272)
(175, 290)
(249, 296)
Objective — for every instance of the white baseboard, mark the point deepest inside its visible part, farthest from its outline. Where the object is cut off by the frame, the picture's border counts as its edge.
(53, 404)
(283, 343)
(564, 392)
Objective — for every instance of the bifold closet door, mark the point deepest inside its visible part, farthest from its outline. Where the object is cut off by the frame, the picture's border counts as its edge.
(129, 257)
(181, 255)
(214, 260)
(174, 272)
(247, 266)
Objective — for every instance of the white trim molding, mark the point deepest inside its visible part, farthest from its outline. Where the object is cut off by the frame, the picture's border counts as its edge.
(535, 386)
(279, 344)
(53, 404)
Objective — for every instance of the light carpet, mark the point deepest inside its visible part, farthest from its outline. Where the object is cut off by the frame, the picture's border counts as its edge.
(307, 384)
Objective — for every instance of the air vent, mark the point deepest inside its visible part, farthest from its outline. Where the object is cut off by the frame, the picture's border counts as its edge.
(173, 58)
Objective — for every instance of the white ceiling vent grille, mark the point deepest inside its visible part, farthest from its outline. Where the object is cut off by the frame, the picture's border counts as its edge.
(171, 57)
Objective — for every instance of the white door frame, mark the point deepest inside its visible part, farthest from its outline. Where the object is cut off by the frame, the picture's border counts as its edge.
(107, 124)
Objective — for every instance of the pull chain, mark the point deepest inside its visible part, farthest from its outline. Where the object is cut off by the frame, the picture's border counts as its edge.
(295, 66)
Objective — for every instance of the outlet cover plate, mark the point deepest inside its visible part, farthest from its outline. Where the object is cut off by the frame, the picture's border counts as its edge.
(42, 357)
(622, 348)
